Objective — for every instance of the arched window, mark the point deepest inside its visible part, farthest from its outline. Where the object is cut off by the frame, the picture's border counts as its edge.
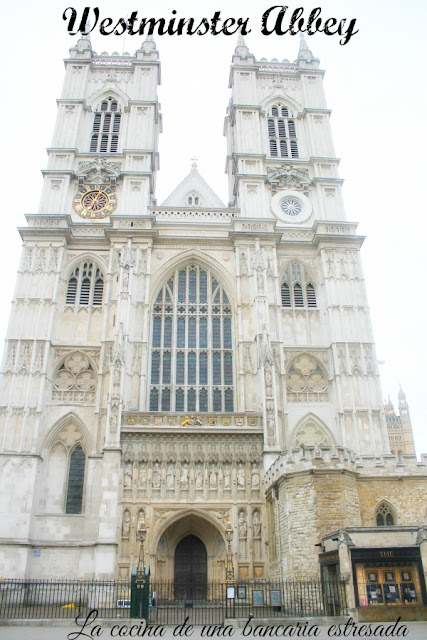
(191, 349)
(297, 291)
(85, 286)
(384, 515)
(107, 122)
(193, 200)
(282, 132)
(76, 474)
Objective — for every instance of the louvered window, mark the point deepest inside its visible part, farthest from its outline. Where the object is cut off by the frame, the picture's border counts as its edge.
(286, 295)
(192, 356)
(281, 133)
(311, 295)
(75, 483)
(297, 290)
(106, 121)
(85, 286)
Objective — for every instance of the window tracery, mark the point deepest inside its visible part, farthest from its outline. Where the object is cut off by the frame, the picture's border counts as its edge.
(384, 516)
(75, 380)
(191, 350)
(306, 381)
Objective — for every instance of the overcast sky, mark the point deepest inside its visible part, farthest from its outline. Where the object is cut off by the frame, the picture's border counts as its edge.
(375, 86)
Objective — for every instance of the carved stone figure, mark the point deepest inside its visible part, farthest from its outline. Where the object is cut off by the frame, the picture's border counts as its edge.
(241, 480)
(256, 525)
(156, 476)
(213, 478)
(227, 477)
(184, 477)
(170, 477)
(142, 483)
(199, 477)
(255, 476)
(243, 526)
(126, 525)
(127, 480)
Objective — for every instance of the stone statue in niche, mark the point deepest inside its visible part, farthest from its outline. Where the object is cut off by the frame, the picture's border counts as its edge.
(227, 477)
(184, 477)
(199, 477)
(241, 480)
(213, 477)
(142, 483)
(126, 525)
(127, 481)
(170, 477)
(156, 476)
(254, 476)
(242, 525)
(257, 525)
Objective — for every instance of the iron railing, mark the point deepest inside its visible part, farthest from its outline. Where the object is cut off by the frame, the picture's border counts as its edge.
(169, 602)
(36, 599)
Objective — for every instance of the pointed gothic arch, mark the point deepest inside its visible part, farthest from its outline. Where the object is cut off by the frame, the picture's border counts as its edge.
(66, 446)
(191, 367)
(311, 431)
(385, 514)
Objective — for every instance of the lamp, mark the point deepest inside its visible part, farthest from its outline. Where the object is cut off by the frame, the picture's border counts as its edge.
(142, 535)
(229, 570)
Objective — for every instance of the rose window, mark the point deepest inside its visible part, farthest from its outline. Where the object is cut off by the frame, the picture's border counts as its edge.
(291, 207)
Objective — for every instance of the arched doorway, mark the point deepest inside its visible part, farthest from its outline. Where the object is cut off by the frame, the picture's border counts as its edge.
(191, 564)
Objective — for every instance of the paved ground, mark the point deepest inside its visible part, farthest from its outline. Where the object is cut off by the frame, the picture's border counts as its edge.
(66, 631)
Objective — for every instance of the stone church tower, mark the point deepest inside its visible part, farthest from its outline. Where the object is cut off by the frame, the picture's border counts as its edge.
(192, 363)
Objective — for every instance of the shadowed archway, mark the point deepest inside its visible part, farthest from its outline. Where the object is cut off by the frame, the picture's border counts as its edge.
(190, 565)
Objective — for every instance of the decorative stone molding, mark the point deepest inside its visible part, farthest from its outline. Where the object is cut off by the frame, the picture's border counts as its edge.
(75, 380)
(98, 171)
(287, 177)
(306, 381)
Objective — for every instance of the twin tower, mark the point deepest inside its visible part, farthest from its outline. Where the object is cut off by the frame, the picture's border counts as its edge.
(192, 363)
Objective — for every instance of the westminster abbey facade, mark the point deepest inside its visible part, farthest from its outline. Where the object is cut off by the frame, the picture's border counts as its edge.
(194, 364)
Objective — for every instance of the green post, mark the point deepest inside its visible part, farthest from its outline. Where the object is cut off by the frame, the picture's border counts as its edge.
(139, 596)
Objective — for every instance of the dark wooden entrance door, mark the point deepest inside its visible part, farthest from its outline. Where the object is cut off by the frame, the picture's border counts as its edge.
(191, 568)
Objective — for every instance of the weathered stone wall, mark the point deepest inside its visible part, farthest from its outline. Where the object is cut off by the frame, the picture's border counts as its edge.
(407, 496)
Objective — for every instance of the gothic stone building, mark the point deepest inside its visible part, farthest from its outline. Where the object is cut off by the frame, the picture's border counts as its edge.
(192, 363)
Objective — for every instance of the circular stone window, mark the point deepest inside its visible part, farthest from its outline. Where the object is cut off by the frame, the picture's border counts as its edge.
(291, 206)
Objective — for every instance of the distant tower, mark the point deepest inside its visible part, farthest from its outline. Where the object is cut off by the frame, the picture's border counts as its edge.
(399, 427)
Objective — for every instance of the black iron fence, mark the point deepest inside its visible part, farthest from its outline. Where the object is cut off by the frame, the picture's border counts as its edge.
(36, 599)
(170, 603)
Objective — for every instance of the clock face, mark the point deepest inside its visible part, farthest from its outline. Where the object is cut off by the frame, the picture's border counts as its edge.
(95, 201)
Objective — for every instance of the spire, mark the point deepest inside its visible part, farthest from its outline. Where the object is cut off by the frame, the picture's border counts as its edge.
(194, 163)
(148, 48)
(304, 52)
(241, 52)
(84, 43)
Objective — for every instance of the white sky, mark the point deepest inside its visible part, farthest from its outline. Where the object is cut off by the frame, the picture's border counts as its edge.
(375, 85)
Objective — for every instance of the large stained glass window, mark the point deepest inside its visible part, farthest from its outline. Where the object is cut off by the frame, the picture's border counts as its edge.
(191, 347)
